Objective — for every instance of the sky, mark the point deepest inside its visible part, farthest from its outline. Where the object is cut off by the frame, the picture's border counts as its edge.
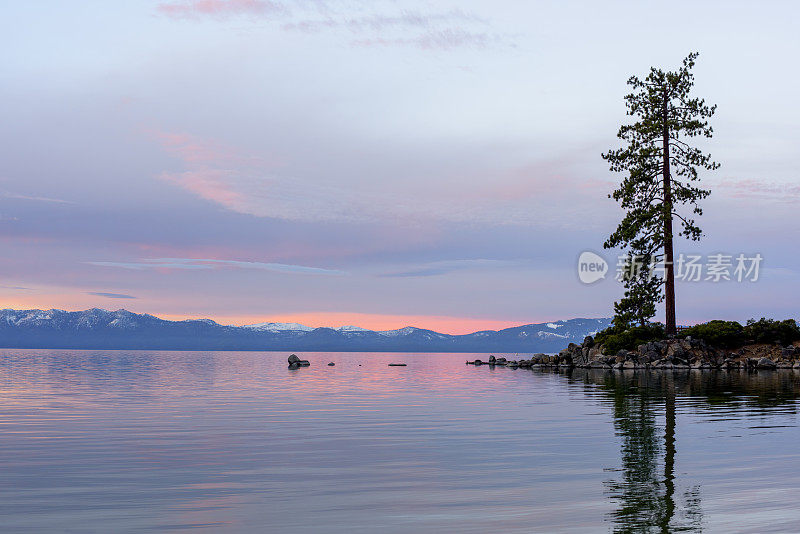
(378, 163)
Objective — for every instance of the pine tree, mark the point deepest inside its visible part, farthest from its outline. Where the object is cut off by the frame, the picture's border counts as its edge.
(642, 291)
(661, 174)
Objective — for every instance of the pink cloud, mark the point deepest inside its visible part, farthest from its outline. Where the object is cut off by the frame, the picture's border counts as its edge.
(212, 169)
(192, 9)
(253, 185)
(192, 150)
(210, 184)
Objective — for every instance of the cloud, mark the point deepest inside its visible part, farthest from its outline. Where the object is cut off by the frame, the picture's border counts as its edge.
(34, 198)
(377, 23)
(215, 172)
(256, 186)
(220, 9)
(209, 264)
(210, 184)
(445, 267)
(447, 39)
(110, 295)
(749, 189)
(444, 30)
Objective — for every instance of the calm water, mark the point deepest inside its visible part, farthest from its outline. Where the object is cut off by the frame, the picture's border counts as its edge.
(125, 441)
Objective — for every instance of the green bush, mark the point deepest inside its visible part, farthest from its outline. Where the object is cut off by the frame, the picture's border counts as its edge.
(616, 338)
(723, 334)
(772, 331)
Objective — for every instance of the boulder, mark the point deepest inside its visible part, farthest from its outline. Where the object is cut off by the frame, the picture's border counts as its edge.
(492, 359)
(295, 362)
(331, 364)
(595, 353)
(588, 342)
(766, 363)
(789, 352)
(679, 351)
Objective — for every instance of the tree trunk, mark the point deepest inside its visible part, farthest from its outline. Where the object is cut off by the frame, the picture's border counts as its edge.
(669, 272)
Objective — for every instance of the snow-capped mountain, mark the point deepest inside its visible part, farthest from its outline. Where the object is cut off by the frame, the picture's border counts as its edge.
(121, 329)
(279, 327)
(351, 328)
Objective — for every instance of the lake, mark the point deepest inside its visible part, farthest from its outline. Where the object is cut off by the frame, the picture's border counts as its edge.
(132, 441)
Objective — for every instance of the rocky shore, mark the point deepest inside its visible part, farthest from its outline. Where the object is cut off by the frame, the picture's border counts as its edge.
(678, 354)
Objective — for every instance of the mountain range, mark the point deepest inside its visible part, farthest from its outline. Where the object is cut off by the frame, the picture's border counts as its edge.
(121, 329)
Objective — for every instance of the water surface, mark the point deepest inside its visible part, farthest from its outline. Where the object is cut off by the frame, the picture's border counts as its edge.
(132, 441)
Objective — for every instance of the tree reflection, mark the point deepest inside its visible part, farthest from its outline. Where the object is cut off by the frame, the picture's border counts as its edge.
(646, 492)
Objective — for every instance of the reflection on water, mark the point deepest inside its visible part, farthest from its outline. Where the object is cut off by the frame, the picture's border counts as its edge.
(645, 492)
(140, 440)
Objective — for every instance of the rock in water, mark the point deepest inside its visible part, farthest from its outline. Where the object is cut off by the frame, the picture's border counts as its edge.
(397, 365)
(295, 362)
(331, 364)
(766, 363)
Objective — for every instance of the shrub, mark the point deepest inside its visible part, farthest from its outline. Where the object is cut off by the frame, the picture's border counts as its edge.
(616, 338)
(772, 331)
(723, 334)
